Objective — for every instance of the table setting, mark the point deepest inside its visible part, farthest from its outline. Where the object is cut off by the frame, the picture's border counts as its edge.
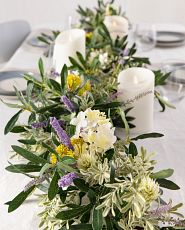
(92, 126)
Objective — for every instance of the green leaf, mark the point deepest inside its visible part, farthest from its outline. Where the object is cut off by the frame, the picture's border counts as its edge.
(111, 105)
(28, 142)
(133, 149)
(92, 196)
(147, 135)
(68, 160)
(47, 108)
(41, 68)
(10, 105)
(162, 174)
(53, 188)
(45, 168)
(55, 85)
(23, 168)
(63, 75)
(73, 213)
(18, 129)
(75, 64)
(81, 227)
(65, 167)
(122, 114)
(79, 183)
(97, 219)
(81, 58)
(108, 222)
(28, 155)
(167, 184)
(11, 122)
(19, 199)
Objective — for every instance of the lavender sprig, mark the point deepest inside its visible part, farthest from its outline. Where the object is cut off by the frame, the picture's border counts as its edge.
(35, 181)
(69, 105)
(67, 180)
(64, 138)
(39, 125)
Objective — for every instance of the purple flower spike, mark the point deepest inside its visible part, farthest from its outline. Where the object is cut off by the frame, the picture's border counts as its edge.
(64, 138)
(67, 103)
(67, 180)
(39, 125)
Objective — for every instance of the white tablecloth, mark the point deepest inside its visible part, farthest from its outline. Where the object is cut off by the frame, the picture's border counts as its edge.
(170, 149)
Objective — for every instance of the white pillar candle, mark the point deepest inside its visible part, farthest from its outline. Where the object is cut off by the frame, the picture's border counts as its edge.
(66, 45)
(136, 89)
(116, 25)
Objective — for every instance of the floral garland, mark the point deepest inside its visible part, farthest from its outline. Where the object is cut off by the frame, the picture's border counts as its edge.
(89, 178)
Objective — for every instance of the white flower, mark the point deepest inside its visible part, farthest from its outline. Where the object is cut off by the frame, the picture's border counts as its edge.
(149, 189)
(85, 161)
(80, 122)
(103, 58)
(103, 138)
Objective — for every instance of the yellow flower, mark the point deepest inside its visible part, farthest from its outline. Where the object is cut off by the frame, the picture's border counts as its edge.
(89, 35)
(73, 82)
(87, 87)
(79, 146)
(53, 159)
(62, 150)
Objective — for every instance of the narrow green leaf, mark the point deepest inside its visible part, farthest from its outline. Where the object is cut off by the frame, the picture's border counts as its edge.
(10, 105)
(73, 213)
(28, 155)
(47, 108)
(79, 183)
(81, 227)
(108, 222)
(63, 76)
(97, 221)
(18, 129)
(19, 199)
(122, 114)
(41, 68)
(28, 142)
(163, 174)
(81, 58)
(65, 167)
(147, 135)
(53, 188)
(11, 122)
(55, 85)
(23, 168)
(133, 149)
(167, 184)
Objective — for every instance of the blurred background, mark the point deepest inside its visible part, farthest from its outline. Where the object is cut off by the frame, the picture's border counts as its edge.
(40, 12)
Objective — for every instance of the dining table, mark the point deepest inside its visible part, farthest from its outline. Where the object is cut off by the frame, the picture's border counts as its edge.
(169, 150)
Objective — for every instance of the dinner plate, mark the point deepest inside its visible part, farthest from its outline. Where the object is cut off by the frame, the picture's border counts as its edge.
(36, 43)
(9, 79)
(170, 39)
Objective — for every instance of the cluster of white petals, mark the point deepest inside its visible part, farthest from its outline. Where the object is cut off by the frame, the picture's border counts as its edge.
(95, 129)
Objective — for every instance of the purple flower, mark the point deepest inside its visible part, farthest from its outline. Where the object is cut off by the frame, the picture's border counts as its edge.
(125, 52)
(67, 180)
(64, 138)
(67, 103)
(39, 125)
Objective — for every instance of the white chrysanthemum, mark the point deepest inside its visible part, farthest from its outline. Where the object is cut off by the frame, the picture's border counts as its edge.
(103, 138)
(149, 189)
(85, 161)
(103, 58)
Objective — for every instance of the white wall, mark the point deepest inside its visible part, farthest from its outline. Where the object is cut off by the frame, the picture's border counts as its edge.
(43, 11)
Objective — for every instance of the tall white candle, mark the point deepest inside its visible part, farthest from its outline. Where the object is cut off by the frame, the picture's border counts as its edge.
(136, 89)
(116, 25)
(66, 45)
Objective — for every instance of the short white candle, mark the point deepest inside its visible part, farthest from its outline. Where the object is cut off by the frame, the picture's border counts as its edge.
(66, 45)
(116, 25)
(136, 89)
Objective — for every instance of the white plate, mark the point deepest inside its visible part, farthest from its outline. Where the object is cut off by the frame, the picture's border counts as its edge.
(36, 43)
(170, 39)
(8, 79)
